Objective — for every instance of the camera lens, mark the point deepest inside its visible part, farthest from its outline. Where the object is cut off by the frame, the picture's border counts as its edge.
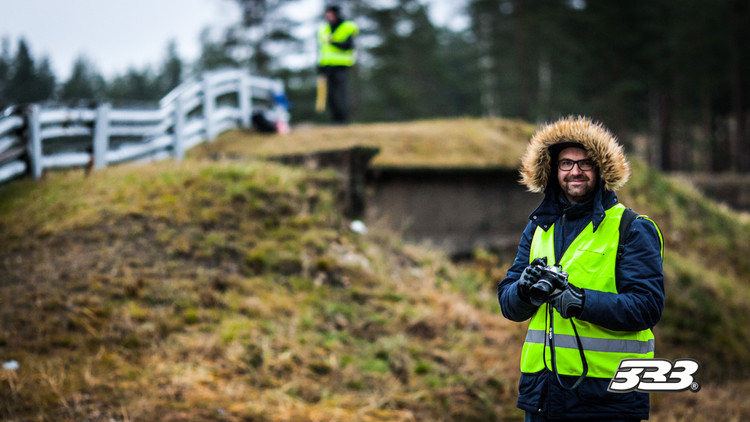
(541, 290)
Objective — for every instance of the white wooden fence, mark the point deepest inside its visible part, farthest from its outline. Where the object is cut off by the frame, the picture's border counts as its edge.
(38, 137)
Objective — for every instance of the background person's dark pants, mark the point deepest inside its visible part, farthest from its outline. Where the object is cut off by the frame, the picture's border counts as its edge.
(338, 95)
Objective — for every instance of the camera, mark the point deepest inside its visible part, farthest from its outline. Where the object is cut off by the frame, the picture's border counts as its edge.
(552, 281)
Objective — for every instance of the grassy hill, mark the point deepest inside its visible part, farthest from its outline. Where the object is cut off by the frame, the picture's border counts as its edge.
(234, 290)
(428, 143)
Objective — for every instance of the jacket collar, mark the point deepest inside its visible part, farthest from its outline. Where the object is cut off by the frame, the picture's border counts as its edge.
(553, 206)
(334, 26)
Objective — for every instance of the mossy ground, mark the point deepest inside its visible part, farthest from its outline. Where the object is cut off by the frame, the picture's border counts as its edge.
(230, 291)
(235, 291)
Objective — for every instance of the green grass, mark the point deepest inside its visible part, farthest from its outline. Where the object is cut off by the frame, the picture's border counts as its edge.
(706, 271)
(234, 290)
(429, 143)
(181, 289)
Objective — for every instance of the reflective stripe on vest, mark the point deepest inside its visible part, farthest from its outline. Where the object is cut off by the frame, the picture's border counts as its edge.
(330, 55)
(593, 344)
(590, 262)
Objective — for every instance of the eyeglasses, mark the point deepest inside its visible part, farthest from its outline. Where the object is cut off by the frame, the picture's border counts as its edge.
(583, 165)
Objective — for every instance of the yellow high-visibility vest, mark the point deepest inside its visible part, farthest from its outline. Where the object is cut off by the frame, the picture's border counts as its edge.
(329, 54)
(590, 263)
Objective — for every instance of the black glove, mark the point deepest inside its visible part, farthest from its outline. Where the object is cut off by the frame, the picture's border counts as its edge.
(530, 276)
(550, 284)
(570, 301)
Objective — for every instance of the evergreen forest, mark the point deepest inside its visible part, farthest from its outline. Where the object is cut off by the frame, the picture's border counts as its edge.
(672, 79)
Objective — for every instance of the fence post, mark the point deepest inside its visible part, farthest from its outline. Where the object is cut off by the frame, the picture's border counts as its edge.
(35, 142)
(178, 147)
(209, 104)
(245, 100)
(101, 136)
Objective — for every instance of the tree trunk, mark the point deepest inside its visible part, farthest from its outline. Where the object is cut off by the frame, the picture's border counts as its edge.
(664, 116)
(707, 133)
(738, 136)
(488, 69)
(522, 62)
(545, 86)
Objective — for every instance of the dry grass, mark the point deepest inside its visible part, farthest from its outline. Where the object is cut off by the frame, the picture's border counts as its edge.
(234, 291)
(431, 143)
(216, 291)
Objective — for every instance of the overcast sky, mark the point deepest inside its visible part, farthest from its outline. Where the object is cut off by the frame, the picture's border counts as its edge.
(113, 34)
(118, 34)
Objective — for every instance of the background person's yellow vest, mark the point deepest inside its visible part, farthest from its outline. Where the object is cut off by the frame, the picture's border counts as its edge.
(330, 55)
(590, 262)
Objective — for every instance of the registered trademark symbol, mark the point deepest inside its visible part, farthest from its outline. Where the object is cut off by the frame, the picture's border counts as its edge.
(695, 387)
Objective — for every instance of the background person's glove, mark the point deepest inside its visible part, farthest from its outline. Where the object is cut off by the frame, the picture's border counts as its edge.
(569, 302)
(530, 276)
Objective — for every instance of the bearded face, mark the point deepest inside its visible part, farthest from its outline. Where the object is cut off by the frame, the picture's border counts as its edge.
(576, 174)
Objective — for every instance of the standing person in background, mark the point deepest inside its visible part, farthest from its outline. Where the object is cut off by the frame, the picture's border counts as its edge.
(600, 307)
(335, 57)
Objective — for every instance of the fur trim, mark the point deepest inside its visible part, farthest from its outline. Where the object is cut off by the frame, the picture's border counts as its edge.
(600, 145)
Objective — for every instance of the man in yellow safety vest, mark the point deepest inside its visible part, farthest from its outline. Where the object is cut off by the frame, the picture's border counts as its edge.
(588, 274)
(335, 57)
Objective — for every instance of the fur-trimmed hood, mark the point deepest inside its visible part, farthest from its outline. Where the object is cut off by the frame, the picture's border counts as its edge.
(600, 144)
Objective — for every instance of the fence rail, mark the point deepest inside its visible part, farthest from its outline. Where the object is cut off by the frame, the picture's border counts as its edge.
(38, 137)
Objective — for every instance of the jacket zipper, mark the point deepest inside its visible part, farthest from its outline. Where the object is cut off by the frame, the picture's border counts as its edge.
(562, 241)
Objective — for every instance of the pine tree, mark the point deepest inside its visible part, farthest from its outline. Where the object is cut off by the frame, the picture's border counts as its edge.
(263, 35)
(410, 74)
(5, 63)
(27, 84)
(46, 84)
(171, 72)
(84, 84)
(213, 54)
(135, 86)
